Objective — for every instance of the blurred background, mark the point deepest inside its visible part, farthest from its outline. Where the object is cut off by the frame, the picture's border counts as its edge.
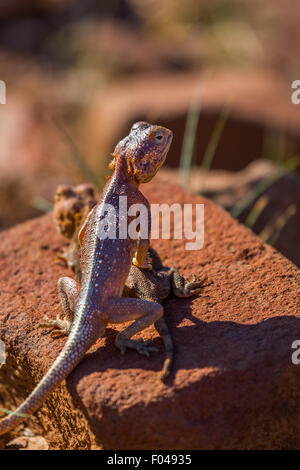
(216, 72)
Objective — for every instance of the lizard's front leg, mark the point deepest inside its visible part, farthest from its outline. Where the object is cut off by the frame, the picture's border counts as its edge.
(68, 291)
(182, 287)
(144, 312)
(142, 259)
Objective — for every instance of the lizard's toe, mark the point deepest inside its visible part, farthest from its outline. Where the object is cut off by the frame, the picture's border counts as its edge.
(47, 322)
(146, 348)
(61, 327)
(142, 347)
(56, 334)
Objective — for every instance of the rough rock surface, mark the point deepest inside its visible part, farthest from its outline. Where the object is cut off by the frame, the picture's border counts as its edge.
(233, 384)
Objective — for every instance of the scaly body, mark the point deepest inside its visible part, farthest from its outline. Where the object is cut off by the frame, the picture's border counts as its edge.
(105, 265)
(71, 205)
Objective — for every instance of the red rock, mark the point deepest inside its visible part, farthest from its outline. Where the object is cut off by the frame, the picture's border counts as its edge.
(233, 384)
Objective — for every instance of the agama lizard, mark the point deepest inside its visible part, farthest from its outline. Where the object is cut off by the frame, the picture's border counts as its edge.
(105, 265)
(71, 204)
(155, 285)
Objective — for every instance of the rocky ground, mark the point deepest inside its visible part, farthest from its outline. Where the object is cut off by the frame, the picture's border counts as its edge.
(233, 384)
(78, 74)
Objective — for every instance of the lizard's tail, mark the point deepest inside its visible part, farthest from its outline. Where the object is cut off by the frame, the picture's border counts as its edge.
(164, 333)
(66, 361)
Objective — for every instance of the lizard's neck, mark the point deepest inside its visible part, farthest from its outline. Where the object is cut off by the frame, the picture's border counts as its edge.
(122, 172)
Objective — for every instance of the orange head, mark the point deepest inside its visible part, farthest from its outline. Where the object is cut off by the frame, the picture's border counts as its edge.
(145, 150)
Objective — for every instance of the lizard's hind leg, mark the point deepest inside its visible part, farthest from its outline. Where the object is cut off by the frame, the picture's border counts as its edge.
(68, 291)
(144, 312)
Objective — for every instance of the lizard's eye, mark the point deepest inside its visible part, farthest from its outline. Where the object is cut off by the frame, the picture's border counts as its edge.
(159, 136)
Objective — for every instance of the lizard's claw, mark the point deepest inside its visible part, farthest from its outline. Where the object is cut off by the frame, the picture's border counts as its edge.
(196, 286)
(183, 288)
(142, 347)
(61, 257)
(60, 327)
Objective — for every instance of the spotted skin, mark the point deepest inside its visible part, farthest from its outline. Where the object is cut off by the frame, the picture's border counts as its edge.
(105, 265)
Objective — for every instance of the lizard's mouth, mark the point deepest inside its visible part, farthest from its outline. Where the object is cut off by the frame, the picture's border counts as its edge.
(169, 138)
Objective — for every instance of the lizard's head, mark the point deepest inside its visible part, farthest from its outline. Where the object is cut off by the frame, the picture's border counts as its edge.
(145, 149)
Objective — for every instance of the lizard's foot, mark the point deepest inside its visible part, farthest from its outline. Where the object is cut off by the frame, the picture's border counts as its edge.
(141, 346)
(61, 257)
(60, 326)
(183, 288)
(195, 286)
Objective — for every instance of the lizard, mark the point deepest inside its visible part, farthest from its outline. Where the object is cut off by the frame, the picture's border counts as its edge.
(155, 285)
(105, 265)
(71, 207)
(71, 204)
